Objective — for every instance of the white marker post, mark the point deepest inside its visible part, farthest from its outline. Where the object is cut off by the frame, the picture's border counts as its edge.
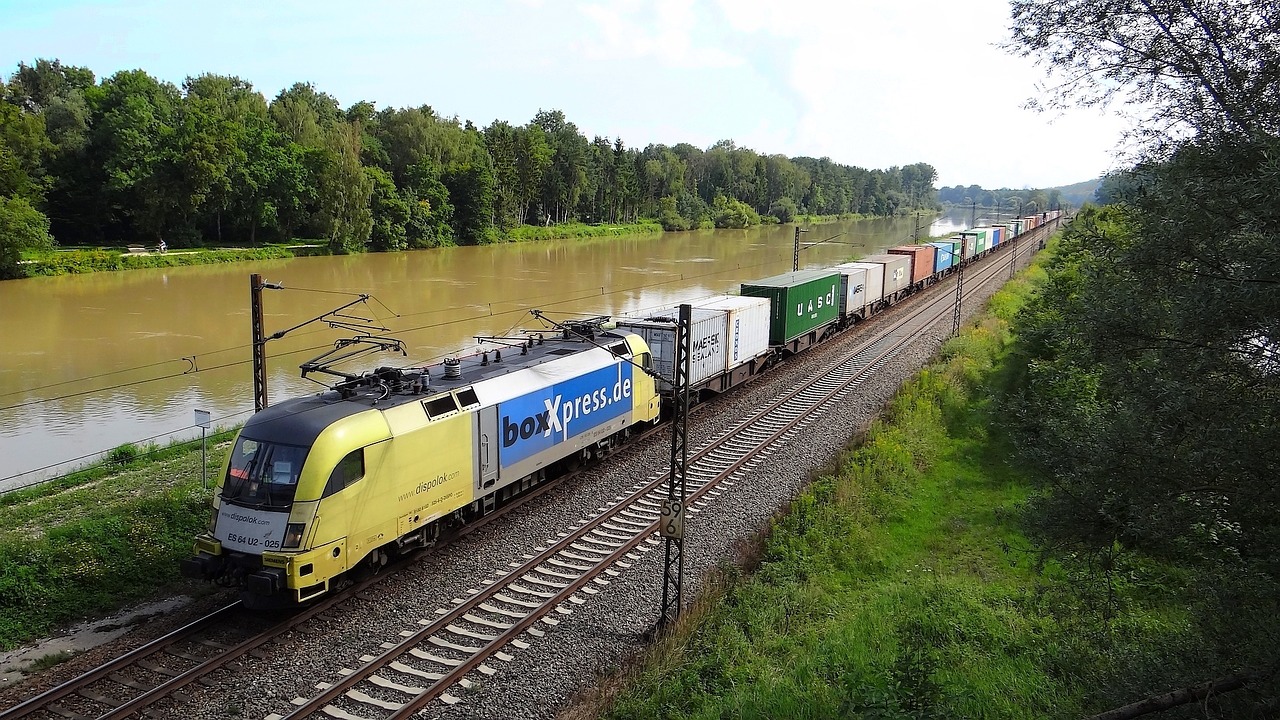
(202, 420)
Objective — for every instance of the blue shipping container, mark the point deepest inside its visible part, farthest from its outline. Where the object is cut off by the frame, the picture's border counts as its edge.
(944, 257)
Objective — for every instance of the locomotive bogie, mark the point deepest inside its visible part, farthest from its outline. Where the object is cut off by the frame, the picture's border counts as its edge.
(318, 487)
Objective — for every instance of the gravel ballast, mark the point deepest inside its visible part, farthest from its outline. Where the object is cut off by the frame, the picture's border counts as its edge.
(601, 634)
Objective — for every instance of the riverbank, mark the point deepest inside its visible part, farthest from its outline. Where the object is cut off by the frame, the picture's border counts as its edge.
(109, 259)
(103, 538)
(899, 584)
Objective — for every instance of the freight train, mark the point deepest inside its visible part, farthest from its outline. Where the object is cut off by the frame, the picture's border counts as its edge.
(330, 486)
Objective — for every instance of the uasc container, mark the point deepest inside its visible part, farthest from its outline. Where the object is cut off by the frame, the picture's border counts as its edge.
(800, 302)
(853, 290)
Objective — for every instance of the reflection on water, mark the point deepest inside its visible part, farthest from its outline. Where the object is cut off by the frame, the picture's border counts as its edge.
(953, 221)
(93, 361)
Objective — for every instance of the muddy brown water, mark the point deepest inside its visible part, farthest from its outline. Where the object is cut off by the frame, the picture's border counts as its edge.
(89, 362)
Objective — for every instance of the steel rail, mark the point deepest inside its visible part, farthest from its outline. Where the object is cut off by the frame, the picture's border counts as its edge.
(853, 366)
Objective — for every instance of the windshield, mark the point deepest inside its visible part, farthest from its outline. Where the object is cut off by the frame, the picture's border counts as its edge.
(263, 474)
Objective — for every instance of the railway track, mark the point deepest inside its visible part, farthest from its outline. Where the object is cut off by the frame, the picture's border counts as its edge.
(443, 657)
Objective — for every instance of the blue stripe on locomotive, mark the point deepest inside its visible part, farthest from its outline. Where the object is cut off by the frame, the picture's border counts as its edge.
(542, 419)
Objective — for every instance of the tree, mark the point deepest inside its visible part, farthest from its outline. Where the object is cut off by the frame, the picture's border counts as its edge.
(134, 135)
(730, 213)
(390, 213)
(501, 142)
(305, 115)
(430, 212)
(1151, 397)
(34, 88)
(23, 146)
(22, 227)
(470, 184)
(533, 157)
(1194, 66)
(344, 192)
(784, 209)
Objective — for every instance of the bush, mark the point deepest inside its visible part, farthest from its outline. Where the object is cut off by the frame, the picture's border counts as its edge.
(22, 227)
(669, 217)
(730, 213)
(124, 454)
(784, 209)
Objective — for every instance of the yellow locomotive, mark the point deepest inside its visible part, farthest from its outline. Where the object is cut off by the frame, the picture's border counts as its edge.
(325, 485)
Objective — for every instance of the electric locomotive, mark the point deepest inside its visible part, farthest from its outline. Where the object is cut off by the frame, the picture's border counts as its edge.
(320, 487)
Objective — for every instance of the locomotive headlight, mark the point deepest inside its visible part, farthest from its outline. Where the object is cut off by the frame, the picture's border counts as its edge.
(293, 534)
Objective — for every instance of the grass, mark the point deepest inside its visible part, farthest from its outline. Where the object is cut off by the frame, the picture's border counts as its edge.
(44, 662)
(68, 262)
(579, 230)
(99, 539)
(895, 586)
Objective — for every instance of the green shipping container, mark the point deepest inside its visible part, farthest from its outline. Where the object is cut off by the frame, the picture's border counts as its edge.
(799, 302)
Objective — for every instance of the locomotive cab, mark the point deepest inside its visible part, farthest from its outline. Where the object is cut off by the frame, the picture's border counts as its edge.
(321, 486)
(284, 463)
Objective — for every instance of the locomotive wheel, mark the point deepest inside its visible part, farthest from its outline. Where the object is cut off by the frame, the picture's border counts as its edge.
(371, 565)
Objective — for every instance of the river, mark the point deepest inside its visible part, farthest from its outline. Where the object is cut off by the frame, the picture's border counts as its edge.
(89, 362)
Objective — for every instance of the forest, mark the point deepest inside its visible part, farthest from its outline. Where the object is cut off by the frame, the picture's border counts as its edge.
(133, 159)
(1149, 383)
(1029, 200)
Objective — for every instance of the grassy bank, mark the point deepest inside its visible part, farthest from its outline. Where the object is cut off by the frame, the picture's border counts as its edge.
(100, 539)
(898, 585)
(580, 230)
(809, 219)
(70, 262)
(74, 261)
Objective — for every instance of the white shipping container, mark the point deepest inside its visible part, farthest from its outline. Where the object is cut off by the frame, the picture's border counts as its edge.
(875, 279)
(707, 341)
(854, 287)
(747, 335)
(897, 271)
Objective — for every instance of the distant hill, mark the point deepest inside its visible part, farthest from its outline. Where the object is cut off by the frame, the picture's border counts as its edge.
(1079, 193)
(1050, 198)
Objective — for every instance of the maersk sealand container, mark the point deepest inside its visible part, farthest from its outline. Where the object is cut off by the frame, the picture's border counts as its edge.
(707, 341)
(801, 302)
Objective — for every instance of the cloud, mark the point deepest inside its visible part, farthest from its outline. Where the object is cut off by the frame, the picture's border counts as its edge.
(667, 31)
(881, 83)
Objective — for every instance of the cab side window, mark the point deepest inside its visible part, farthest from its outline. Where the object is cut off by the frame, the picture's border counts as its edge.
(349, 470)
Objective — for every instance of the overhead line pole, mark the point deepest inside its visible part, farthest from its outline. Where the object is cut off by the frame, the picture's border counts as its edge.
(795, 256)
(259, 343)
(671, 525)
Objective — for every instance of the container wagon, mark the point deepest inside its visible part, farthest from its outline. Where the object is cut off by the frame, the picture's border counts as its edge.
(922, 259)
(729, 340)
(873, 301)
(897, 275)
(853, 293)
(803, 305)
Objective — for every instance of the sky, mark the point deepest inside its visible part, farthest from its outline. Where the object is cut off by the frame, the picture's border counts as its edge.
(873, 83)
